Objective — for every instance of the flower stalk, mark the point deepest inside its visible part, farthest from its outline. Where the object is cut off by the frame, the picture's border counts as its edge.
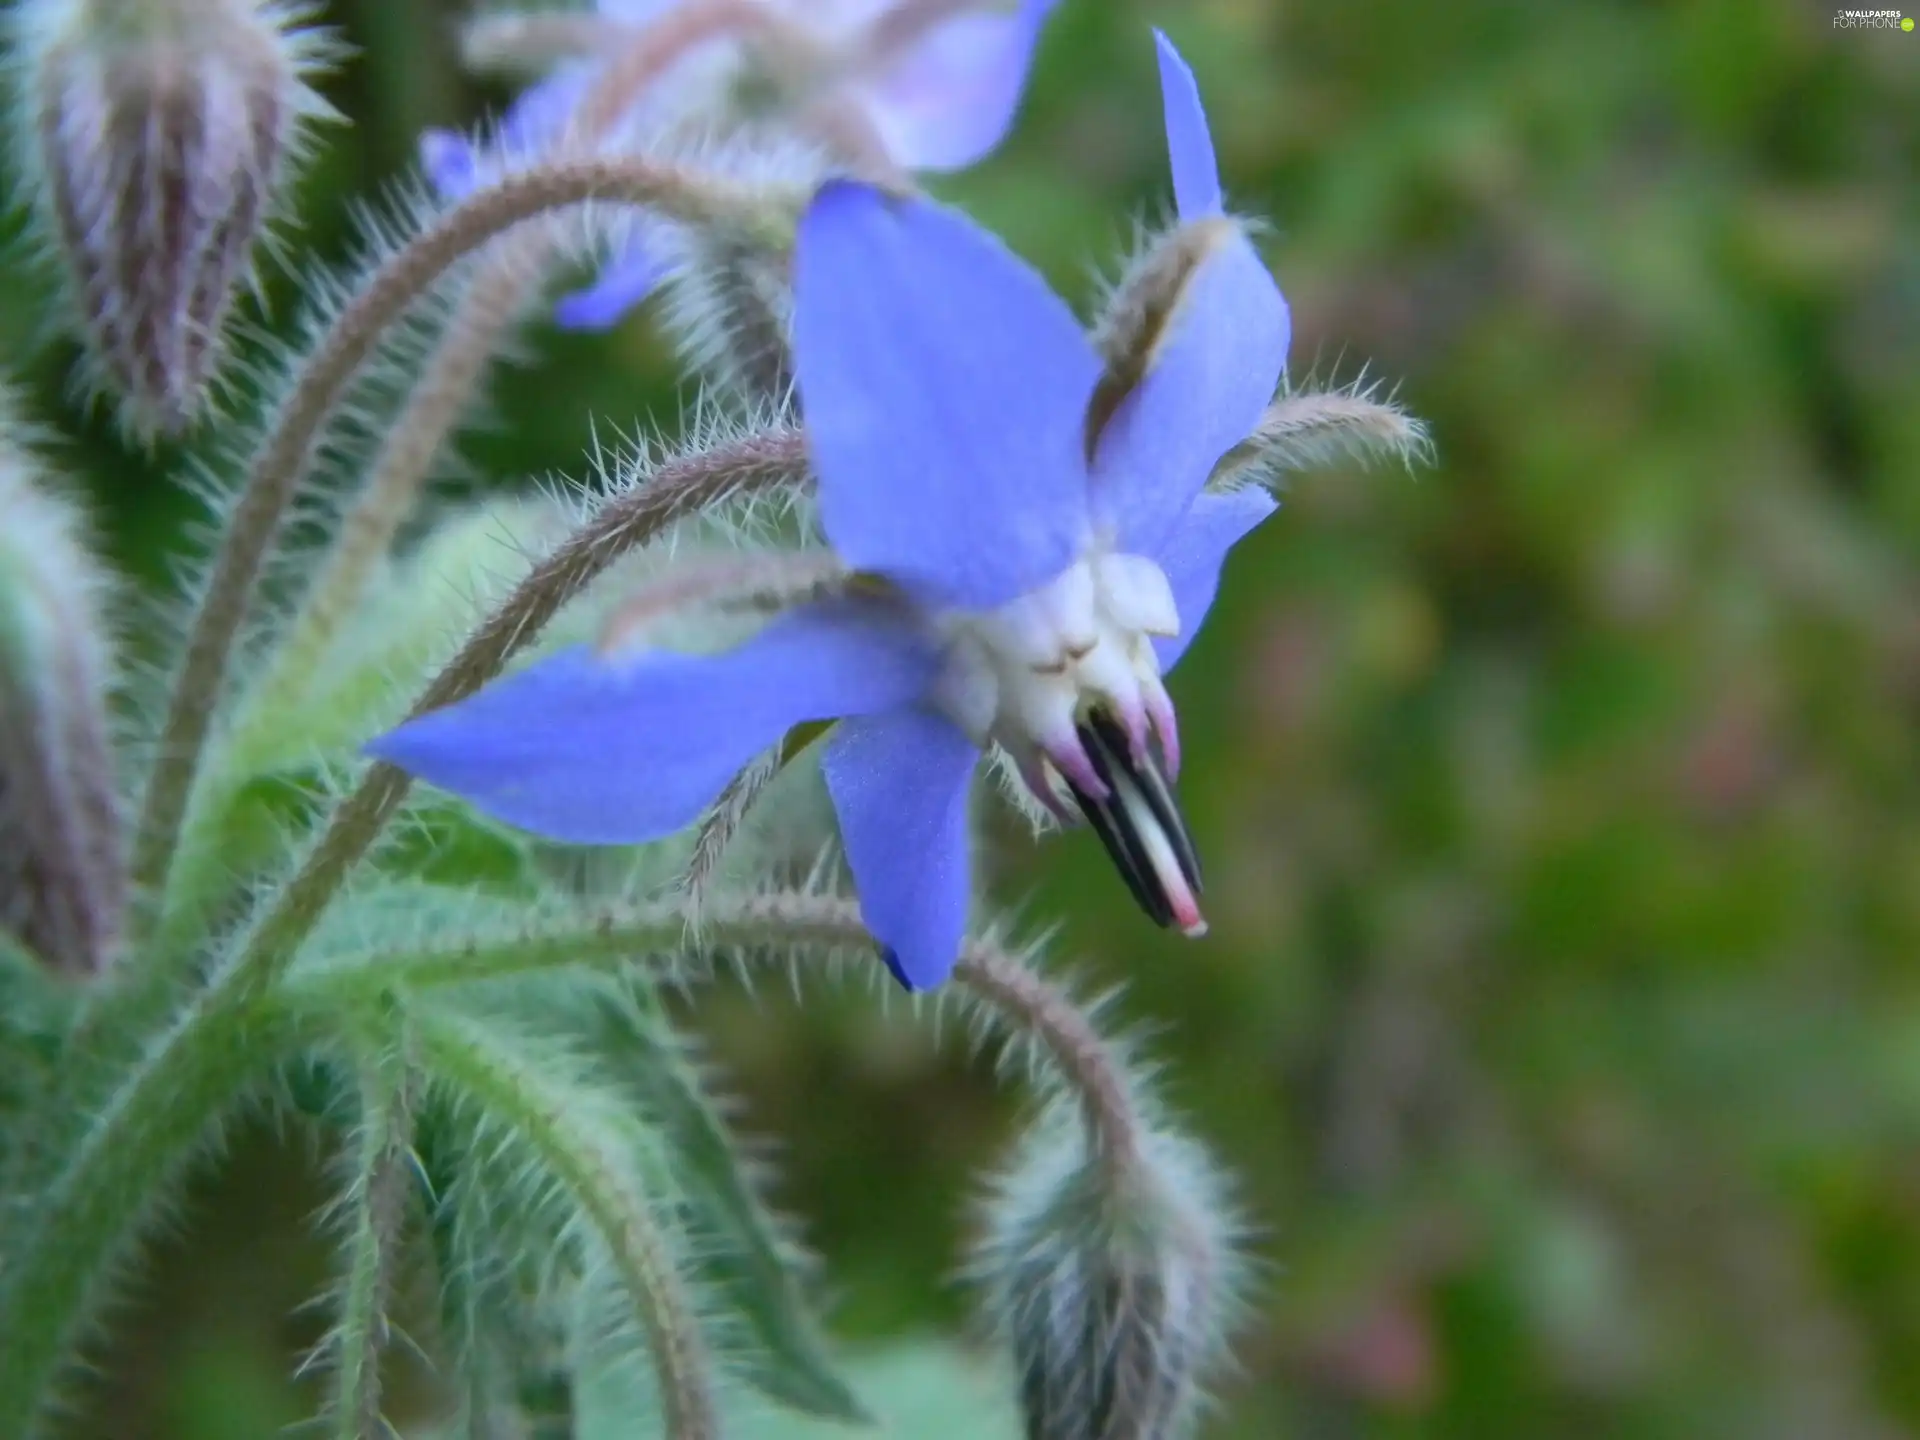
(504, 284)
(280, 462)
(676, 490)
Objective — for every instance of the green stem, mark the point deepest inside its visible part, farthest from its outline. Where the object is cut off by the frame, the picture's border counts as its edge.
(676, 489)
(377, 1211)
(1031, 1008)
(679, 488)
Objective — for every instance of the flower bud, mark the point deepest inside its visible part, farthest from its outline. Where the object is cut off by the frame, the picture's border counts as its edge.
(158, 133)
(1113, 1283)
(62, 878)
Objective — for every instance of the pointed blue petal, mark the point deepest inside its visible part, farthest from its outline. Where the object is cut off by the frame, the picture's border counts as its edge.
(945, 390)
(1196, 174)
(1207, 384)
(1195, 553)
(623, 282)
(951, 97)
(899, 783)
(610, 751)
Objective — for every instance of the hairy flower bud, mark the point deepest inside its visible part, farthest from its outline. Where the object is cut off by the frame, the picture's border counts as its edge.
(156, 134)
(1114, 1288)
(62, 881)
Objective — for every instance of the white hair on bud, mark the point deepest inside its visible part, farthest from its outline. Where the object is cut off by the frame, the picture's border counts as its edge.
(1306, 428)
(157, 150)
(1116, 1293)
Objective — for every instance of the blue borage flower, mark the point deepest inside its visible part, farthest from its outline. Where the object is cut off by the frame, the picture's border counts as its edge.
(1036, 581)
(940, 100)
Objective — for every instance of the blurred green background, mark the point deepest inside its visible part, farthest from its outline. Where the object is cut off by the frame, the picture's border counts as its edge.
(1561, 1014)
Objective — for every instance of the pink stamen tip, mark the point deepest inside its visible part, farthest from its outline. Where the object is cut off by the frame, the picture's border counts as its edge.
(1187, 916)
(1072, 761)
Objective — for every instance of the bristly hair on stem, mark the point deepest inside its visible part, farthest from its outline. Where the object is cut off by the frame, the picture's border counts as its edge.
(1044, 1020)
(374, 1209)
(674, 491)
(504, 284)
(280, 462)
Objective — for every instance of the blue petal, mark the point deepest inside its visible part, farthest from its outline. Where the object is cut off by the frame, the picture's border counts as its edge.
(945, 390)
(1194, 554)
(951, 97)
(623, 282)
(899, 783)
(449, 160)
(1208, 381)
(1196, 174)
(457, 166)
(541, 113)
(610, 751)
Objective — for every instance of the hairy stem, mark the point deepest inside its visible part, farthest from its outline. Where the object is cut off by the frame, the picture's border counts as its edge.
(376, 1214)
(1030, 1007)
(465, 1056)
(275, 472)
(123, 1167)
(506, 283)
(677, 489)
(474, 334)
(723, 821)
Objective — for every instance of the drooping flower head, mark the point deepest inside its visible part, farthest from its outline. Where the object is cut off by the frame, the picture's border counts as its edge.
(1037, 580)
(932, 84)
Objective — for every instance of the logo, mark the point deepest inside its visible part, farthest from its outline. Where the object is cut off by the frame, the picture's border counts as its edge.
(1871, 20)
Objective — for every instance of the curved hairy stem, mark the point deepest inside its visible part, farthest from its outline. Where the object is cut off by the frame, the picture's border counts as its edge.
(275, 472)
(507, 281)
(464, 1056)
(722, 822)
(196, 1068)
(1029, 1006)
(679, 488)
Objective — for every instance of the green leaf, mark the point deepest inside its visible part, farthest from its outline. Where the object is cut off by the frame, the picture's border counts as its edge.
(927, 1391)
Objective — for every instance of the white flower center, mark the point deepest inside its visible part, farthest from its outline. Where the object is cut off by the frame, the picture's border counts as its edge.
(1027, 673)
